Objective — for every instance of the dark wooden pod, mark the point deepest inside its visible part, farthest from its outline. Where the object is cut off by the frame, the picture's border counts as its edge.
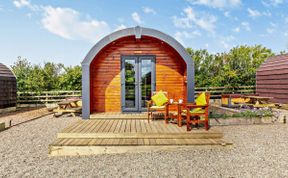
(272, 78)
(8, 87)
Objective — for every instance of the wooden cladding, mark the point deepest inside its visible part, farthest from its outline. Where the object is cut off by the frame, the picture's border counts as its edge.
(105, 71)
(272, 78)
(8, 88)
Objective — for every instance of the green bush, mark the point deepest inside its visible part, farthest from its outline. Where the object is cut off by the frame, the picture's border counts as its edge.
(245, 114)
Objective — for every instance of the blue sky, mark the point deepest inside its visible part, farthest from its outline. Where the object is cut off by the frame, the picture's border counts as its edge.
(64, 31)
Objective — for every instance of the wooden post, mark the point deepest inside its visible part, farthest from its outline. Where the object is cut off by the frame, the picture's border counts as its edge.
(46, 99)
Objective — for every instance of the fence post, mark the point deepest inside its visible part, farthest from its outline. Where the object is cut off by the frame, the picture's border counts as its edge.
(46, 99)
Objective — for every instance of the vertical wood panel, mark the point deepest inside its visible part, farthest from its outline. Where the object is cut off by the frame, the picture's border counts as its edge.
(105, 71)
(8, 87)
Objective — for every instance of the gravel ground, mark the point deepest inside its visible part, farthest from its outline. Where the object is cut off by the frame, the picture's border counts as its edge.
(258, 151)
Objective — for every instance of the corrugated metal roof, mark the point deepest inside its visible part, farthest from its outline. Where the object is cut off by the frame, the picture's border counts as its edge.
(5, 71)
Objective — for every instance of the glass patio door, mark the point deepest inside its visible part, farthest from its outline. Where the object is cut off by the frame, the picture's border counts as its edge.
(137, 82)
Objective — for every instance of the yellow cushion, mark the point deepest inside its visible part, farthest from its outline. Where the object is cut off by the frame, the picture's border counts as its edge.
(195, 111)
(201, 99)
(157, 107)
(159, 99)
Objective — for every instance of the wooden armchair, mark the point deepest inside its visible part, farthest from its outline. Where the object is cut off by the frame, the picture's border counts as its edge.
(193, 113)
(151, 106)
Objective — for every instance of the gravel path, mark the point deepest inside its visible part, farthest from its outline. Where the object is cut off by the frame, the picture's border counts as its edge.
(258, 151)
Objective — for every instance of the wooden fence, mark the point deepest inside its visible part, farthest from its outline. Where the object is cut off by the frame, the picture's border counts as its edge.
(216, 92)
(49, 97)
(25, 99)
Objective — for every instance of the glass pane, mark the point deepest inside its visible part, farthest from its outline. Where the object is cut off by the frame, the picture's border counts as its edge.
(130, 83)
(146, 71)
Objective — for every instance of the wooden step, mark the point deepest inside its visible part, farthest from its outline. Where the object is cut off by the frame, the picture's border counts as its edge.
(188, 135)
(74, 147)
(134, 142)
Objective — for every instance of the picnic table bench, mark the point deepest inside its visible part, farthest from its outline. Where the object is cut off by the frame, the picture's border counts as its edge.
(259, 101)
(71, 106)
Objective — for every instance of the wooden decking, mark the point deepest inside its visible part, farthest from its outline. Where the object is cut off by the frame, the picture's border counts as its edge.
(118, 115)
(122, 135)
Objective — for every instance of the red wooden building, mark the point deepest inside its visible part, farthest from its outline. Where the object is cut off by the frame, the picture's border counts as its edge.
(272, 78)
(122, 69)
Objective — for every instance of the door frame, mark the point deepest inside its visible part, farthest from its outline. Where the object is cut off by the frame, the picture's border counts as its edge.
(138, 92)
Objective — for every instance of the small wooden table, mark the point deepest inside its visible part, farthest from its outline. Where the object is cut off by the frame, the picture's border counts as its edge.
(174, 115)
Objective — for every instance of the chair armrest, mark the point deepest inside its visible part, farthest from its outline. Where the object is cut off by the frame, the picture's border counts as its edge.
(149, 103)
(197, 106)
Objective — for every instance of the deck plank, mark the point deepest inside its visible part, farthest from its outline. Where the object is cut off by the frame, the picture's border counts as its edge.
(103, 126)
(113, 126)
(128, 126)
(71, 127)
(133, 126)
(123, 126)
(118, 127)
(89, 127)
(109, 125)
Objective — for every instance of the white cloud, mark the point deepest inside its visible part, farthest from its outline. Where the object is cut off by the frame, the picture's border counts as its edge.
(120, 27)
(181, 36)
(67, 23)
(22, 3)
(255, 13)
(190, 18)
(270, 30)
(224, 44)
(243, 26)
(136, 17)
(226, 41)
(217, 3)
(286, 33)
(227, 14)
(148, 10)
(246, 26)
(237, 29)
(272, 2)
(26, 3)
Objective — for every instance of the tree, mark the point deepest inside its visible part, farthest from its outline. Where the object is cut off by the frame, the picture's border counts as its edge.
(71, 78)
(235, 68)
(35, 77)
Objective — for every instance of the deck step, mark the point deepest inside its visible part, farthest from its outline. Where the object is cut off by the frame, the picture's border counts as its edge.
(108, 135)
(74, 147)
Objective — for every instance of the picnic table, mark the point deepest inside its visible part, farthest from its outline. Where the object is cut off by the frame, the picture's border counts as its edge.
(68, 106)
(260, 101)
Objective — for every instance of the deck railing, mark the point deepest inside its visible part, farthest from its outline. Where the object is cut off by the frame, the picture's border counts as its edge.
(48, 97)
